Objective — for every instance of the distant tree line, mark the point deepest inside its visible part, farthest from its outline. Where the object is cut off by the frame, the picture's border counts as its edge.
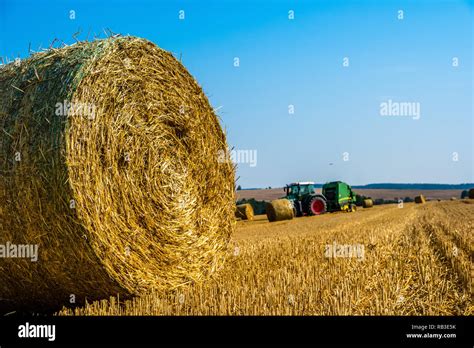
(379, 201)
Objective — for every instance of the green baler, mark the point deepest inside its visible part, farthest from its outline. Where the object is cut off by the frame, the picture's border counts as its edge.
(339, 196)
(336, 196)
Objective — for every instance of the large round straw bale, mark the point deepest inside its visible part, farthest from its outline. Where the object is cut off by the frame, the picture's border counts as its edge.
(420, 199)
(471, 193)
(367, 203)
(279, 209)
(244, 211)
(109, 164)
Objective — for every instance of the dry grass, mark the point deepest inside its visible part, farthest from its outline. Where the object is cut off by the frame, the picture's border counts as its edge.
(367, 203)
(281, 269)
(123, 194)
(244, 211)
(279, 209)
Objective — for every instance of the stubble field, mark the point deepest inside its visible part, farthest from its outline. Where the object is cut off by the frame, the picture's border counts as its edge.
(415, 260)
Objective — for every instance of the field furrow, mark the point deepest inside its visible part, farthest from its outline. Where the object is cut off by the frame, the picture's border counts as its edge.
(387, 260)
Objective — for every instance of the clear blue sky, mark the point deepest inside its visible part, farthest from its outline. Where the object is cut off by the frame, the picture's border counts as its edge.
(300, 62)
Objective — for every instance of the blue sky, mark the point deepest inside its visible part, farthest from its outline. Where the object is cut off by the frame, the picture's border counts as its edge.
(299, 62)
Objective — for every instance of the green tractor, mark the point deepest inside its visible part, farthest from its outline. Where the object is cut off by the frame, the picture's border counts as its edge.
(335, 196)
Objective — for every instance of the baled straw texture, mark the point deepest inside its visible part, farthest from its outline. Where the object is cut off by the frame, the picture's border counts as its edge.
(122, 200)
(420, 199)
(279, 209)
(244, 211)
(367, 203)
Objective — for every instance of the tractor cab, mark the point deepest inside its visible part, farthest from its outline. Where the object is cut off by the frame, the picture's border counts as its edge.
(295, 191)
(304, 199)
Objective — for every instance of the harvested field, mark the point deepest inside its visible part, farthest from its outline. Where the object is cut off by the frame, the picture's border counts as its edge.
(271, 194)
(415, 260)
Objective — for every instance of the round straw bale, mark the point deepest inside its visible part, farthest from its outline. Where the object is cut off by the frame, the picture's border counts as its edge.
(367, 203)
(420, 199)
(279, 209)
(109, 165)
(244, 211)
(471, 193)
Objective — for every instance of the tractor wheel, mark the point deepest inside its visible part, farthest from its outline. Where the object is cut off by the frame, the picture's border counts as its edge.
(297, 208)
(316, 206)
(352, 208)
